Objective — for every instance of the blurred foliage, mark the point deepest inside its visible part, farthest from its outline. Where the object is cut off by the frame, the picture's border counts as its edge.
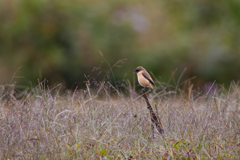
(60, 40)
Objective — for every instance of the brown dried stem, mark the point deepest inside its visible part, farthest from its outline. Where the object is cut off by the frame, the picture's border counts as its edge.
(154, 118)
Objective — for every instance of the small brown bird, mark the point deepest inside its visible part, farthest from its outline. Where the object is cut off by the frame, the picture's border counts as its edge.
(144, 78)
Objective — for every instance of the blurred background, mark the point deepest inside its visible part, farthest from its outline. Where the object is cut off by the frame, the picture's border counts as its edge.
(60, 40)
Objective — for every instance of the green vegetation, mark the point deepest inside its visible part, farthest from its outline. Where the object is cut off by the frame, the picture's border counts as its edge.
(107, 124)
(60, 40)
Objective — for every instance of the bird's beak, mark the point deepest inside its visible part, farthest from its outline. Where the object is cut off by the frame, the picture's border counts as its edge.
(134, 70)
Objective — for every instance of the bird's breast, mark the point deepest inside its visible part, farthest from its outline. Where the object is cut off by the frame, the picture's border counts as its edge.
(143, 81)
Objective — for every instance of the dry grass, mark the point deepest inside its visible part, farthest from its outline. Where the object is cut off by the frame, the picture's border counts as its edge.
(106, 124)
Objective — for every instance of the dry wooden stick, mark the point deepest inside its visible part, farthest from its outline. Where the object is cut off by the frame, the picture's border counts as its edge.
(154, 118)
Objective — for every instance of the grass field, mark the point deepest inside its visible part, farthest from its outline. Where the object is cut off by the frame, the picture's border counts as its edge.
(102, 123)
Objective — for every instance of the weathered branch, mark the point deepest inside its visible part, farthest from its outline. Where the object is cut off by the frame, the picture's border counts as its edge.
(154, 118)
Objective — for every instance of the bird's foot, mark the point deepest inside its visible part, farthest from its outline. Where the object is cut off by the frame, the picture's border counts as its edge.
(144, 90)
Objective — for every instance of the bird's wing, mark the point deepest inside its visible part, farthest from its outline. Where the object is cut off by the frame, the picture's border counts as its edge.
(148, 78)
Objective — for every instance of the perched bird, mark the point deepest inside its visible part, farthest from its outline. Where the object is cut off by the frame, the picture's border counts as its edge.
(144, 78)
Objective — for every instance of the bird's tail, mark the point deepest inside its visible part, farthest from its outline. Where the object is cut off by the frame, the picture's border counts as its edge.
(151, 86)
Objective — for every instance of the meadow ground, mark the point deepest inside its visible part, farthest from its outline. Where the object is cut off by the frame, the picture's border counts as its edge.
(102, 123)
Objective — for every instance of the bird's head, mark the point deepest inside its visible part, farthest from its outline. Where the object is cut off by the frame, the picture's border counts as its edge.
(138, 69)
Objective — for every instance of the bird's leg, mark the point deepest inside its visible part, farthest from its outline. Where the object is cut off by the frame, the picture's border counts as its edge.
(144, 89)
